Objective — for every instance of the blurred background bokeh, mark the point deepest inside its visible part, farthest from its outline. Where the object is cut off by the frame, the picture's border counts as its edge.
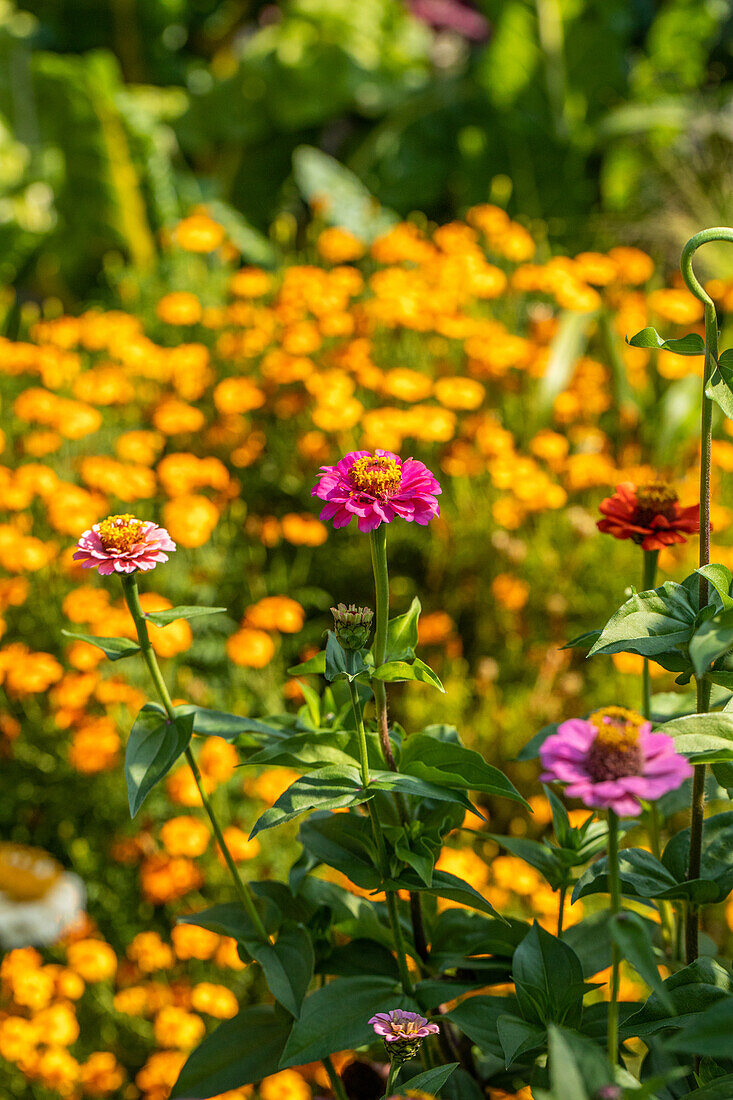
(592, 119)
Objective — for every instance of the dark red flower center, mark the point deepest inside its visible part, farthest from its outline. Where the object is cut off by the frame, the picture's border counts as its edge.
(656, 498)
(615, 752)
(382, 477)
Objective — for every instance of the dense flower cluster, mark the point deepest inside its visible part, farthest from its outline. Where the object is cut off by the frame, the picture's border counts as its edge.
(207, 410)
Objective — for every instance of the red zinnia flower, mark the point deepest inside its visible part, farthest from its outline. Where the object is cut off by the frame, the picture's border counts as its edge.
(649, 515)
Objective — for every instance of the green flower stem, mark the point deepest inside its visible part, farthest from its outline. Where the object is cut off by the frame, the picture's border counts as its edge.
(132, 598)
(653, 820)
(378, 543)
(561, 909)
(394, 918)
(613, 880)
(697, 809)
(337, 1085)
(394, 1069)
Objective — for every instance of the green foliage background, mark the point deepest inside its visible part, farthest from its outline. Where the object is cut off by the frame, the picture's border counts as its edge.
(588, 118)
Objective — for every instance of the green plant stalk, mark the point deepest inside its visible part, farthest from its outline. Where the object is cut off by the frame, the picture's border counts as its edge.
(697, 809)
(613, 881)
(337, 1084)
(394, 918)
(654, 824)
(394, 1069)
(132, 598)
(378, 544)
(561, 909)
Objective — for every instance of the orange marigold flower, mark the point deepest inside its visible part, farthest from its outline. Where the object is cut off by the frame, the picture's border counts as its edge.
(217, 759)
(101, 1074)
(199, 233)
(511, 592)
(285, 1085)
(190, 941)
(176, 1028)
(173, 417)
(166, 878)
(250, 648)
(159, 1074)
(190, 519)
(93, 960)
(239, 844)
(185, 836)
(150, 952)
(276, 613)
(179, 308)
(214, 1000)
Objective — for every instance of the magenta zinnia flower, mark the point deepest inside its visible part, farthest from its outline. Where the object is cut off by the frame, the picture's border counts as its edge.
(377, 488)
(123, 544)
(612, 760)
(398, 1024)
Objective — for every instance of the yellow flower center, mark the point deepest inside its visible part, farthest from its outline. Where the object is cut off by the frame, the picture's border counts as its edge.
(120, 532)
(380, 476)
(656, 498)
(616, 751)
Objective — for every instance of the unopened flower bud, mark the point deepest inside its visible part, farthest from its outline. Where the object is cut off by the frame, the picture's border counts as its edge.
(352, 625)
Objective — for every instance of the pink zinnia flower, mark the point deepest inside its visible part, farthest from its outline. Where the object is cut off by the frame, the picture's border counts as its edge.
(123, 544)
(612, 760)
(377, 488)
(397, 1025)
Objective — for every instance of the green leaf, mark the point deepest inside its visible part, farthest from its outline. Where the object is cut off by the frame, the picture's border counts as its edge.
(716, 868)
(419, 788)
(721, 578)
(477, 1018)
(712, 639)
(350, 205)
(330, 788)
(518, 1037)
(162, 618)
(362, 957)
(578, 1069)
(650, 623)
(397, 671)
(343, 841)
(448, 763)
(720, 1088)
(532, 749)
(241, 1051)
(431, 1081)
(228, 919)
(114, 648)
(709, 1033)
(154, 745)
(692, 344)
(702, 737)
(288, 966)
(631, 934)
(583, 641)
(446, 885)
(642, 876)
(402, 634)
(692, 990)
(548, 978)
(336, 1017)
(313, 666)
(217, 723)
(342, 663)
(720, 386)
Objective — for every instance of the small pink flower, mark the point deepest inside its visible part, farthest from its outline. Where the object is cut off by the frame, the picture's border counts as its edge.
(123, 544)
(397, 1025)
(377, 488)
(612, 760)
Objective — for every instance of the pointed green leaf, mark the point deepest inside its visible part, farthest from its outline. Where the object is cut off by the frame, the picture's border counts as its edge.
(402, 633)
(397, 671)
(313, 666)
(702, 737)
(431, 1081)
(711, 640)
(162, 618)
(114, 648)
(329, 788)
(342, 663)
(650, 623)
(154, 745)
(449, 763)
(288, 965)
(241, 1051)
(631, 934)
(692, 344)
(227, 919)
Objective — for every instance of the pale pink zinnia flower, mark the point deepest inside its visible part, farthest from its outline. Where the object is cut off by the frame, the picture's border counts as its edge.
(377, 488)
(403, 1032)
(123, 544)
(612, 760)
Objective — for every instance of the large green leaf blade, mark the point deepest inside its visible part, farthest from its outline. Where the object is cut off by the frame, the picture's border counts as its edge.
(171, 614)
(154, 745)
(114, 648)
(449, 763)
(288, 965)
